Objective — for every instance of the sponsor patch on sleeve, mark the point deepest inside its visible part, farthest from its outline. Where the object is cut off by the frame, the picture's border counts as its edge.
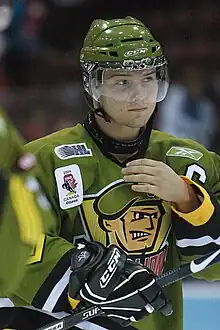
(184, 152)
(66, 151)
(69, 185)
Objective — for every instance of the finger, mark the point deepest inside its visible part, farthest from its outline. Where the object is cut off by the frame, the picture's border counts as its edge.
(143, 162)
(140, 178)
(145, 188)
(139, 169)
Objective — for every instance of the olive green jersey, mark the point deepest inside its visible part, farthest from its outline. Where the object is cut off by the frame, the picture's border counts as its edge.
(92, 202)
(23, 206)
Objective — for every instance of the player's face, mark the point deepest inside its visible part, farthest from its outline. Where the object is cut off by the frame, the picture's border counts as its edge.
(129, 98)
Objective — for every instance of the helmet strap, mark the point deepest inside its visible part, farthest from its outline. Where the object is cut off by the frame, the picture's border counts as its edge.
(101, 113)
(95, 107)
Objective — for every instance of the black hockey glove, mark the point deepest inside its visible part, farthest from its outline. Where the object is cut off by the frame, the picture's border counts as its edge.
(122, 288)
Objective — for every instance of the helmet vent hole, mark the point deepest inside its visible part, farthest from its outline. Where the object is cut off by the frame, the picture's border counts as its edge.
(154, 49)
(109, 45)
(115, 54)
(131, 39)
(103, 53)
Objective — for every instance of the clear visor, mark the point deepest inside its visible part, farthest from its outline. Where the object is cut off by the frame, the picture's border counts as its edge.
(143, 86)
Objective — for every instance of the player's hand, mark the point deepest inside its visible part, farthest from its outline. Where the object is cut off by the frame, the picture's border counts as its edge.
(122, 288)
(155, 177)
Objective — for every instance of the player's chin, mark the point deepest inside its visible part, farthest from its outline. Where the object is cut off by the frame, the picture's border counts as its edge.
(136, 125)
(139, 122)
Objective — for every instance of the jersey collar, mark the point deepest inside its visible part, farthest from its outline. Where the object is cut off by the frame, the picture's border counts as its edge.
(110, 146)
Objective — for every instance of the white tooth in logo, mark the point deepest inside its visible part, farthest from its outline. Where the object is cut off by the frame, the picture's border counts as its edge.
(195, 268)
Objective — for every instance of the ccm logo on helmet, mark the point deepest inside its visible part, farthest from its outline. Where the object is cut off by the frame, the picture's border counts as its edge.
(136, 52)
(111, 269)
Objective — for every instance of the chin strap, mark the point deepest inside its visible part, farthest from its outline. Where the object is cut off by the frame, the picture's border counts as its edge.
(98, 111)
(101, 113)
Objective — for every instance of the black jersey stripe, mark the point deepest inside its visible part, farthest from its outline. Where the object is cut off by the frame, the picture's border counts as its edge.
(53, 280)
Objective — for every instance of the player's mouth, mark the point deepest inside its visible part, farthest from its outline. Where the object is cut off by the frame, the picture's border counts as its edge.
(138, 109)
(139, 234)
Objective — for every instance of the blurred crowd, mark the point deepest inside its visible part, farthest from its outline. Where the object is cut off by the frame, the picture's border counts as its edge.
(40, 77)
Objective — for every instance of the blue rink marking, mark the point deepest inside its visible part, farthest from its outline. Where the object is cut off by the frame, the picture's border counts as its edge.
(201, 306)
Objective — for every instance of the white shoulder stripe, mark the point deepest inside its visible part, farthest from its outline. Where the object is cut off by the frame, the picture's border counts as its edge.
(57, 292)
(201, 241)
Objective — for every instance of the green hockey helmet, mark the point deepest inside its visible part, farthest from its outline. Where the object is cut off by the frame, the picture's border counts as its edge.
(121, 45)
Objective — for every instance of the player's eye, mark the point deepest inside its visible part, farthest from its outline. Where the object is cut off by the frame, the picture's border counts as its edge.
(123, 82)
(148, 78)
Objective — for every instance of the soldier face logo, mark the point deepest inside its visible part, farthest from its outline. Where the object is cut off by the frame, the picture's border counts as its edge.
(136, 222)
(136, 229)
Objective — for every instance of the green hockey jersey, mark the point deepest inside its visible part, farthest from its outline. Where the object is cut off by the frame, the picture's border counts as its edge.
(22, 208)
(92, 202)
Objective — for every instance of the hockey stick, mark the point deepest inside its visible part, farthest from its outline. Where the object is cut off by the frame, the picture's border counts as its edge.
(163, 280)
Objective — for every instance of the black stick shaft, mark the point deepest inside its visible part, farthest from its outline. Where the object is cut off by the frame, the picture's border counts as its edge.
(193, 267)
(69, 321)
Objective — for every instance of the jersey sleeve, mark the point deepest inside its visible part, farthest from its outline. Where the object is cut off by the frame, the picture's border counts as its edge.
(45, 283)
(198, 232)
(47, 273)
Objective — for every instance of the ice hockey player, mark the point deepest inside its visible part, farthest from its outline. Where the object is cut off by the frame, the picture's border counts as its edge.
(148, 197)
(21, 225)
(23, 207)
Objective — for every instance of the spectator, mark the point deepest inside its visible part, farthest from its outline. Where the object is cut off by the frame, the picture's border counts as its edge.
(187, 112)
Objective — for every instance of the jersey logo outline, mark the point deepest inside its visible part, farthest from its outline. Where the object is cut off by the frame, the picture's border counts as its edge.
(176, 151)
